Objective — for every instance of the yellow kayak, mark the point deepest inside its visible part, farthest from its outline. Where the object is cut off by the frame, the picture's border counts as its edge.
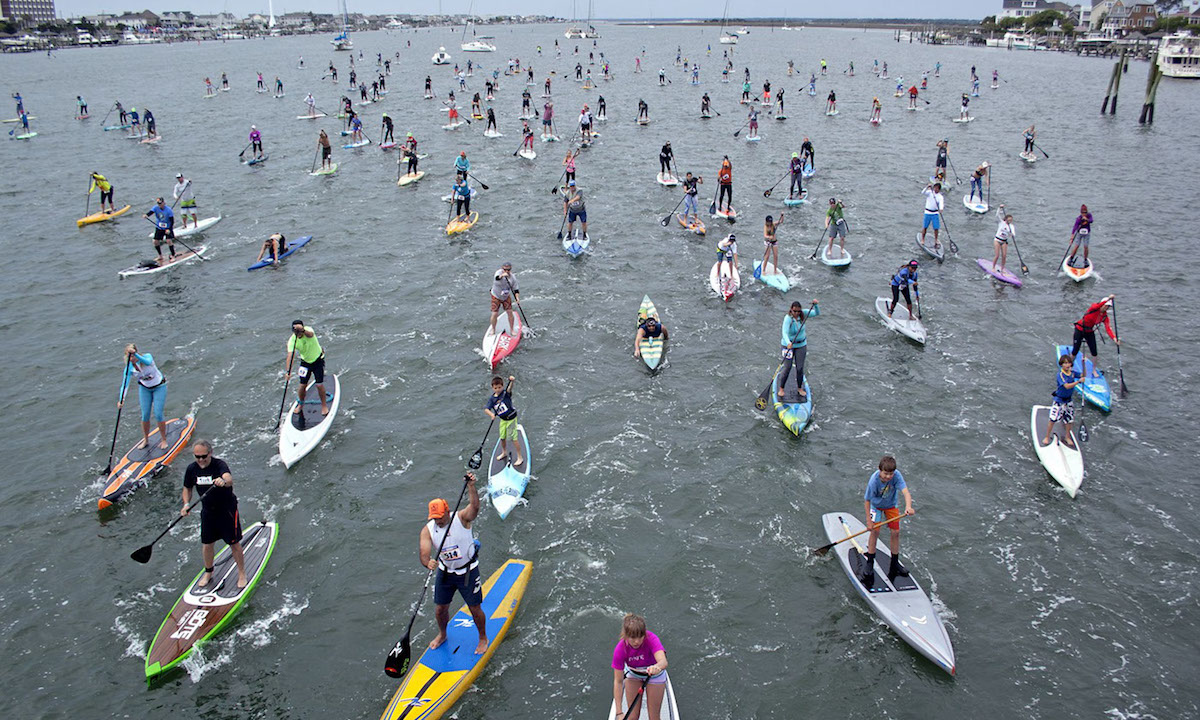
(100, 217)
(462, 223)
(441, 676)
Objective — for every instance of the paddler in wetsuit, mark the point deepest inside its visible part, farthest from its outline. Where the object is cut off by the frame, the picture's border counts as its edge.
(491, 120)
(458, 566)
(649, 328)
(388, 129)
(808, 154)
(905, 276)
(832, 102)
(1085, 331)
(879, 502)
(274, 246)
(601, 108)
(665, 156)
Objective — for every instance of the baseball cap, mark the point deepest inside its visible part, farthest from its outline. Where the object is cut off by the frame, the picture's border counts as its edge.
(913, 263)
(178, 175)
(438, 508)
(570, 183)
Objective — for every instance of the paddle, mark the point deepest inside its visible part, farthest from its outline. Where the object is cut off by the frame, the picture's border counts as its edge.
(637, 698)
(1013, 235)
(1070, 246)
(667, 218)
(518, 302)
(554, 190)
(917, 295)
(113, 448)
(1039, 147)
(396, 665)
(315, 157)
(477, 459)
(768, 191)
(826, 548)
(243, 152)
(819, 241)
(286, 379)
(104, 122)
(1083, 431)
(949, 240)
(179, 240)
(760, 402)
(87, 206)
(739, 130)
(521, 146)
(712, 209)
(482, 184)
(1117, 332)
(957, 179)
(142, 554)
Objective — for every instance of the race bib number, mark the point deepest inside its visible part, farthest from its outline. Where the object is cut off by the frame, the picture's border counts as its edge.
(450, 554)
(501, 408)
(303, 373)
(1084, 231)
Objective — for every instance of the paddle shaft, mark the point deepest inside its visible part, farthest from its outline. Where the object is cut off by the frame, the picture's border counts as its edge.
(819, 241)
(1013, 236)
(87, 207)
(1120, 368)
(144, 557)
(178, 240)
(739, 130)
(1039, 147)
(636, 698)
(1070, 246)
(517, 301)
(243, 152)
(287, 378)
(957, 180)
(113, 448)
(949, 240)
(768, 191)
(563, 174)
(826, 548)
(667, 218)
(482, 184)
(110, 109)
(315, 157)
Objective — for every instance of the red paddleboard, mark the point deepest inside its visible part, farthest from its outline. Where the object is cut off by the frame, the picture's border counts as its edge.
(499, 345)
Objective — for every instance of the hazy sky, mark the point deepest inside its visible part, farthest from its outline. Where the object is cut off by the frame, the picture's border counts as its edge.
(604, 8)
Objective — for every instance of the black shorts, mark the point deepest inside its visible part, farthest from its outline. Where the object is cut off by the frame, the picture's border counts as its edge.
(160, 233)
(468, 585)
(221, 525)
(106, 195)
(1082, 336)
(326, 151)
(314, 371)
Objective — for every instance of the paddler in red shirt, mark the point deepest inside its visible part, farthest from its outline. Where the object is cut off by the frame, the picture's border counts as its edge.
(1085, 330)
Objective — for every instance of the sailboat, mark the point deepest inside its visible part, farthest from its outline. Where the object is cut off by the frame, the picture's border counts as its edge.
(342, 41)
(476, 44)
(573, 32)
(727, 38)
(271, 18)
(590, 33)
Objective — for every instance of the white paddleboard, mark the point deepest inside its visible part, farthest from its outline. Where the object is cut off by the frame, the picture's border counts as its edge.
(912, 329)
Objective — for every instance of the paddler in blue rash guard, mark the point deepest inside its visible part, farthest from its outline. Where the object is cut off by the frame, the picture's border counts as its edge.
(794, 344)
(879, 502)
(164, 228)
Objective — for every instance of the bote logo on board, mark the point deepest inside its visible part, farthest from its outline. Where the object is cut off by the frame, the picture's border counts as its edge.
(191, 621)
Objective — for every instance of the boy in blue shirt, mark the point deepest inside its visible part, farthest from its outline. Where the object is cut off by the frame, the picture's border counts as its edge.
(1062, 410)
(500, 405)
(880, 503)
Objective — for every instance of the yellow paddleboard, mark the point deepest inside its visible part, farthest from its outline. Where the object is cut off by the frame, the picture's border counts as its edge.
(441, 676)
(410, 178)
(462, 223)
(100, 217)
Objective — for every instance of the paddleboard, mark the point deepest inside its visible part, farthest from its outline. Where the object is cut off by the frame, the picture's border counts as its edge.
(311, 117)
(85, 116)
(453, 126)
(669, 711)
(728, 213)
(832, 113)
(1094, 389)
(643, 121)
(549, 138)
(462, 223)
(725, 285)
(31, 117)
(117, 127)
(194, 228)
(837, 257)
(141, 464)
(292, 246)
(301, 432)
(1065, 464)
(101, 216)
(149, 267)
(1078, 274)
(1028, 157)
(439, 677)
(808, 171)
(696, 227)
(876, 121)
(501, 343)
(938, 253)
(325, 171)
(792, 412)
(781, 117)
(506, 481)
(978, 206)
(410, 178)
(794, 201)
(202, 612)
(492, 134)
(527, 154)
(901, 603)
(361, 143)
(771, 276)
(387, 145)
(30, 136)
(912, 329)
(1002, 274)
(279, 95)
(963, 120)
(257, 160)
(151, 140)
(576, 244)
(651, 349)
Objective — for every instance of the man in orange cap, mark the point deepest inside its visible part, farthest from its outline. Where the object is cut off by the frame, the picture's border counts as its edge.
(457, 562)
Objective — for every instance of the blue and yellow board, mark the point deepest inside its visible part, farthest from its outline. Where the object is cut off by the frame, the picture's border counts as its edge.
(792, 413)
(439, 677)
(1094, 389)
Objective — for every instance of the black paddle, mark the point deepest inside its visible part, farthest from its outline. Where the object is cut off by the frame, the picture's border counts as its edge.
(519, 147)
(113, 449)
(712, 209)
(518, 302)
(562, 225)
(760, 402)
(739, 130)
(315, 157)
(637, 699)
(949, 240)
(243, 152)
(1083, 431)
(667, 218)
(817, 249)
(142, 554)
(286, 379)
(477, 459)
(1039, 148)
(1013, 236)
(917, 295)
(396, 665)
(1070, 246)
(178, 240)
(1120, 368)
(554, 190)
(482, 184)
(768, 191)
(957, 179)
(87, 206)
(105, 120)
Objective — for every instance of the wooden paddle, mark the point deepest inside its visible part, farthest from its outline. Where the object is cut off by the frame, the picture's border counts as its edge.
(760, 402)
(142, 554)
(1116, 331)
(826, 548)
(477, 459)
(396, 665)
(113, 449)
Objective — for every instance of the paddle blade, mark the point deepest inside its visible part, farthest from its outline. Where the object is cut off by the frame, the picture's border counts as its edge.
(665, 221)
(476, 460)
(766, 193)
(1124, 390)
(142, 554)
(396, 665)
(1083, 431)
(823, 549)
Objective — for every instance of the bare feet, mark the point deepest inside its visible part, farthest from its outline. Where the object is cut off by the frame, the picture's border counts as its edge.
(481, 648)
(502, 456)
(243, 581)
(324, 409)
(519, 461)
(163, 444)
(205, 579)
(437, 641)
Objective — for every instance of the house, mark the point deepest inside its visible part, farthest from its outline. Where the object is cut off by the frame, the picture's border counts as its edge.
(1025, 8)
(219, 20)
(137, 21)
(1126, 17)
(175, 19)
(293, 19)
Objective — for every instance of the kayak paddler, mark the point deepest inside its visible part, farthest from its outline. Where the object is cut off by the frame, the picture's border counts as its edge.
(164, 228)
(152, 392)
(210, 476)
(880, 503)
(1062, 411)
(106, 191)
(273, 246)
(504, 289)
(500, 405)
(303, 340)
(647, 329)
(835, 220)
(1085, 331)
(906, 275)
(256, 146)
(793, 343)
(186, 195)
(934, 202)
(639, 655)
(1081, 233)
(457, 565)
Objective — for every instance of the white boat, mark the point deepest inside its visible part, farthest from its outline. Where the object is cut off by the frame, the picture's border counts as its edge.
(230, 35)
(1014, 41)
(83, 37)
(574, 33)
(727, 38)
(744, 31)
(1179, 56)
(342, 40)
(441, 57)
(394, 24)
(132, 38)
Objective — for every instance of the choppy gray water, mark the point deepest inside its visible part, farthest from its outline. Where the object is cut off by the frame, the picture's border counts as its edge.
(666, 495)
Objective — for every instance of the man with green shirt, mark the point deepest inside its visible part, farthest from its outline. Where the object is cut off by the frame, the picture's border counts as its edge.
(312, 362)
(835, 221)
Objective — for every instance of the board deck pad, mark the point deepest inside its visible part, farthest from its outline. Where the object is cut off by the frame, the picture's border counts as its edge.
(879, 582)
(793, 412)
(650, 348)
(131, 471)
(310, 410)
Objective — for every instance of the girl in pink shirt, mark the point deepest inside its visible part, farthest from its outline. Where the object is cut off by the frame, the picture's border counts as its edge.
(639, 658)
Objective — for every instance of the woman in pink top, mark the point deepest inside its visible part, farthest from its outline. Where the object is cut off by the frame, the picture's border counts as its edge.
(639, 654)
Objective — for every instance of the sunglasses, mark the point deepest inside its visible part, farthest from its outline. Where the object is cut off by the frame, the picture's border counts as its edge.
(202, 457)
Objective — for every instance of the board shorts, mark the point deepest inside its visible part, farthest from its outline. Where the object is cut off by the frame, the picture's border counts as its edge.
(497, 303)
(836, 228)
(659, 679)
(689, 205)
(1062, 412)
(941, 163)
(572, 216)
(1082, 236)
(188, 203)
(932, 220)
(468, 585)
(545, 121)
(161, 233)
(878, 514)
(326, 151)
(153, 398)
(221, 525)
(314, 371)
(508, 429)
